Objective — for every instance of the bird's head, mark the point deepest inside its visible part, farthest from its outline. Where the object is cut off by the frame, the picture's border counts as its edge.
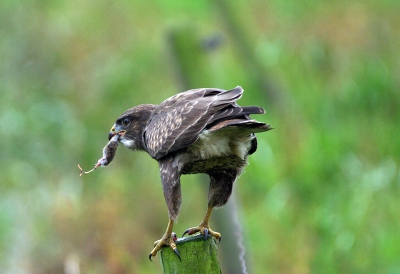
(130, 126)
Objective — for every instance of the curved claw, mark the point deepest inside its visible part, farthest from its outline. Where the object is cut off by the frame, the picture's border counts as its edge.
(150, 257)
(177, 254)
(186, 232)
(219, 239)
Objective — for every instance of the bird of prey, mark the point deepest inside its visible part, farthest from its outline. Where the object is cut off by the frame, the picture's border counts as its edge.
(197, 131)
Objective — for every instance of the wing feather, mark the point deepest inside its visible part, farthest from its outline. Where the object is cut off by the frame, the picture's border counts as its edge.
(178, 121)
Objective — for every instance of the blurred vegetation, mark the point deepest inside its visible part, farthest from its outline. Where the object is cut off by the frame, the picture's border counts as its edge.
(320, 195)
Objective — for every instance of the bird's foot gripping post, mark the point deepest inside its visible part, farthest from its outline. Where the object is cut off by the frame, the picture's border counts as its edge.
(168, 239)
(203, 227)
(204, 230)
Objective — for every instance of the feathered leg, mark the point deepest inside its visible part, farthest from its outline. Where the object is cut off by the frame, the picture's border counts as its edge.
(172, 193)
(220, 190)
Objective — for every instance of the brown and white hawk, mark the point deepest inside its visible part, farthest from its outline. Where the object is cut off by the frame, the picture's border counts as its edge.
(197, 131)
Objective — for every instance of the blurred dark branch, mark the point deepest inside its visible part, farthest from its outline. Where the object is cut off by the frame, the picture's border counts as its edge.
(188, 57)
(279, 100)
(244, 46)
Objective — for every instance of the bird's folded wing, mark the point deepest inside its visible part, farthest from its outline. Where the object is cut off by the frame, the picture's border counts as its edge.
(177, 122)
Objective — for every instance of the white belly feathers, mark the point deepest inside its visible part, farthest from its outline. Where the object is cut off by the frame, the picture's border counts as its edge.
(224, 142)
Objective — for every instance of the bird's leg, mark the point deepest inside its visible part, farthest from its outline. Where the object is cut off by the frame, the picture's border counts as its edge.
(167, 240)
(203, 227)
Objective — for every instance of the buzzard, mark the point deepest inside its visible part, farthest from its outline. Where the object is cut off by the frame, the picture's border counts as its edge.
(197, 131)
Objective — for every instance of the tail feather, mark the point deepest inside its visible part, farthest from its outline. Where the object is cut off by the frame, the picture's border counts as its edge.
(252, 125)
(252, 110)
(235, 113)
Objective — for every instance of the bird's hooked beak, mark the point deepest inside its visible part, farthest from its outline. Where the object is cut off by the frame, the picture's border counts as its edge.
(114, 131)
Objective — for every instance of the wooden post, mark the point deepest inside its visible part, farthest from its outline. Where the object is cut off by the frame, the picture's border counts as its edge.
(198, 255)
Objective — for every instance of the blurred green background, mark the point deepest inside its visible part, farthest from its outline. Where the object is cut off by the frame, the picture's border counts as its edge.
(321, 194)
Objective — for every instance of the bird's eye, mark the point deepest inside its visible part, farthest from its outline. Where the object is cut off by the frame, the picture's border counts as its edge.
(125, 122)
